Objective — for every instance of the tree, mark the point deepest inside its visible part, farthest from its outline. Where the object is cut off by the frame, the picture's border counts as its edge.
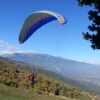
(94, 16)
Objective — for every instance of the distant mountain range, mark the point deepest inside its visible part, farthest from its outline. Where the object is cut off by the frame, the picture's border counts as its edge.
(81, 71)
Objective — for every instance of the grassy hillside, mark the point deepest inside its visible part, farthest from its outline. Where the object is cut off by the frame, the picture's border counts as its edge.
(44, 85)
(89, 87)
(11, 93)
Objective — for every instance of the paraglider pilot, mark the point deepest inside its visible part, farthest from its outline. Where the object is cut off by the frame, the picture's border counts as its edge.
(32, 77)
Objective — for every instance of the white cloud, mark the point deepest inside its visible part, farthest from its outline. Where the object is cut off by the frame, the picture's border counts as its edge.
(8, 48)
(29, 51)
(5, 52)
(5, 48)
(12, 48)
(3, 43)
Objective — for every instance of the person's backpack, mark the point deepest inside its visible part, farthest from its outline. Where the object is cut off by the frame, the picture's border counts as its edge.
(31, 77)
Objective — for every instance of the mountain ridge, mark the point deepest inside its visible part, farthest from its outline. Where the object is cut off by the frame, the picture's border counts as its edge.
(80, 71)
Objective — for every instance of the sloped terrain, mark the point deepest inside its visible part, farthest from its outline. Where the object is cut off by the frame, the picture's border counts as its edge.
(44, 84)
(89, 87)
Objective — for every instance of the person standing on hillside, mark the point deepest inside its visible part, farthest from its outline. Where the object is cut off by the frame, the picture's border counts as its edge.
(32, 77)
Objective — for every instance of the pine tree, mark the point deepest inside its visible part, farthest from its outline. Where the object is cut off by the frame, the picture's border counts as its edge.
(94, 16)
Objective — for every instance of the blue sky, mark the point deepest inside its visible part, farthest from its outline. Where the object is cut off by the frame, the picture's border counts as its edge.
(55, 39)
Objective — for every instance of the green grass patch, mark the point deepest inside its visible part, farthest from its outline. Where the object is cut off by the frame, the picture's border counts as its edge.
(11, 93)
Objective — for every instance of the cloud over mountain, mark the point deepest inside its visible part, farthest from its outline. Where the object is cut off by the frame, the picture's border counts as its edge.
(7, 48)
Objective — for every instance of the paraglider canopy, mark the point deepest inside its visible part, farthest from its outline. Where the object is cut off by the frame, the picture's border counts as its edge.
(37, 20)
